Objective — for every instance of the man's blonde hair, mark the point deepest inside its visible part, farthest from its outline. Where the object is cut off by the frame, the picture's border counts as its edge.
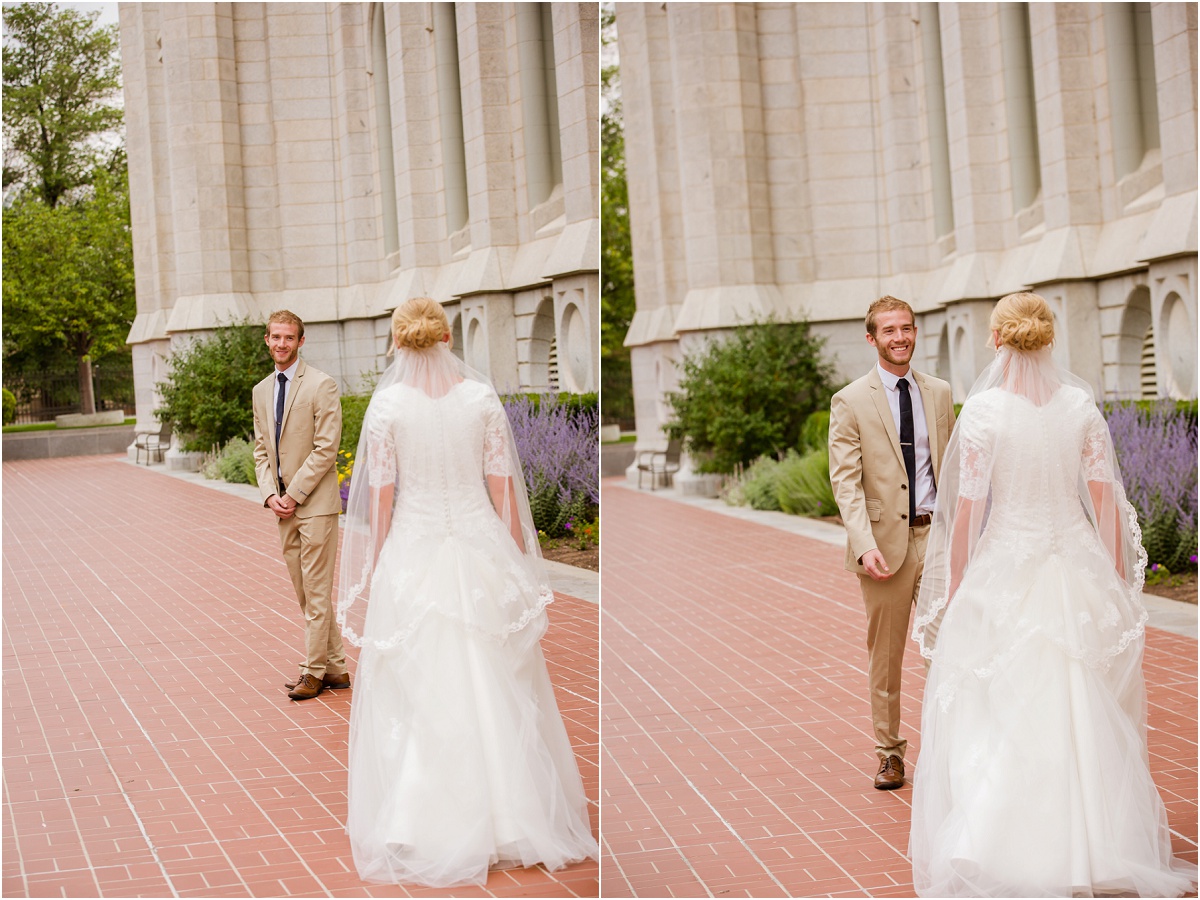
(285, 317)
(886, 303)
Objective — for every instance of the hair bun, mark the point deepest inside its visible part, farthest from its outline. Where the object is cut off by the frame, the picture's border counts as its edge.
(1023, 321)
(419, 323)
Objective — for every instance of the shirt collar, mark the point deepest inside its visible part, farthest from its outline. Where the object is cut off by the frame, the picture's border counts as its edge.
(890, 381)
(290, 372)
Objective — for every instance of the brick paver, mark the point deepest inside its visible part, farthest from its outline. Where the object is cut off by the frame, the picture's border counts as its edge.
(736, 747)
(149, 746)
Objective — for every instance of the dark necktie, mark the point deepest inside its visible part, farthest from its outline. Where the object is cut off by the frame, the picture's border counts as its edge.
(279, 418)
(908, 446)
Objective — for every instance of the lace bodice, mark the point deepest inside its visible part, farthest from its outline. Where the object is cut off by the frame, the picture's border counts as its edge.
(437, 451)
(1031, 458)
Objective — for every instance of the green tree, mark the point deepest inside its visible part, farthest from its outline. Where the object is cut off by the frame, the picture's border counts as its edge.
(617, 302)
(68, 278)
(749, 395)
(208, 395)
(61, 71)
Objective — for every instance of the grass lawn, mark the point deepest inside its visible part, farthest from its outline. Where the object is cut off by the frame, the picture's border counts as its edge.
(50, 426)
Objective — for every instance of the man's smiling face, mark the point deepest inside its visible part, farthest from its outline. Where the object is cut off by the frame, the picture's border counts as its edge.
(895, 337)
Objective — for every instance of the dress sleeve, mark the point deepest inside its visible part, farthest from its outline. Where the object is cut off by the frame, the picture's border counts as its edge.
(1096, 463)
(975, 456)
(495, 457)
(381, 450)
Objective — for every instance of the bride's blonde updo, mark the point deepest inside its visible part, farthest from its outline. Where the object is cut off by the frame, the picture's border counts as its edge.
(419, 323)
(1023, 321)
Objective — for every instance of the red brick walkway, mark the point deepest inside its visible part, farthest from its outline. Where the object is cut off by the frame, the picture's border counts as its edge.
(149, 746)
(736, 747)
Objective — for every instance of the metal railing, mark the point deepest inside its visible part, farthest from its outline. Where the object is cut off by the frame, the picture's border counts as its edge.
(42, 396)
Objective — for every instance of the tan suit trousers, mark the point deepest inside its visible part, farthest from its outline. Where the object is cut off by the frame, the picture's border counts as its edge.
(889, 607)
(309, 549)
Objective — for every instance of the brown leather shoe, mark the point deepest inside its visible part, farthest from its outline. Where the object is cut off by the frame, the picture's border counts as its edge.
(334, 682)
(306, 688)
(891, 774)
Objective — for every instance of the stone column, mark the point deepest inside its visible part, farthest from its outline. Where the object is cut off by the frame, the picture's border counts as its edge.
(205, 158)
(726, 205)
(149, 201)
(652, 158)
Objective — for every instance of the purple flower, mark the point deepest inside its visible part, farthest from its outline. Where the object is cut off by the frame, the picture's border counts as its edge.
(560, 455)
(1154, 567)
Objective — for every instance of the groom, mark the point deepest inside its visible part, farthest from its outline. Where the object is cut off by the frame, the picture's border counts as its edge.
(887, 433)
(297, 430)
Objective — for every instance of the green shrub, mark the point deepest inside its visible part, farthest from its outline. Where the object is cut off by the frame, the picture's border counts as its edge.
(759, 483)
(207, 396)
(10, 407)
(802, 484)
(233, 463)
(237, 462)
(748, 395)
(354, 407)
(815, 432)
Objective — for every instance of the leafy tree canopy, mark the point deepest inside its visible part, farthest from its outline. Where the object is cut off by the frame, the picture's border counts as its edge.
(61, 72)
(68, 283)
(750, 394)
(617, 302)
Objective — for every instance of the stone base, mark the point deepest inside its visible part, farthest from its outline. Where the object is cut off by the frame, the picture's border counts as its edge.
(79, 420)
(182, 461)
(70, 442)
(693, 485)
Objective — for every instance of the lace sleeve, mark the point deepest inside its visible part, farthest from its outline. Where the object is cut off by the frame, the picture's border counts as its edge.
(1096, 463)
(974, 453)
(974, 478)
(495, 456)
(381, 453)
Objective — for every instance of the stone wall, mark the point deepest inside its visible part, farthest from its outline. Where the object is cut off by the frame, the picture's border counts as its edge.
(801, 160)
(336, 159)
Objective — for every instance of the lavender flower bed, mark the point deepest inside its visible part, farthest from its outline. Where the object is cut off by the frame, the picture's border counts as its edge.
(1156, 450)
(560, 453)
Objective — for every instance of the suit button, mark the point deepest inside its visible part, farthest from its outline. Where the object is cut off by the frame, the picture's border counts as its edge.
(904, 487)
(904, 515)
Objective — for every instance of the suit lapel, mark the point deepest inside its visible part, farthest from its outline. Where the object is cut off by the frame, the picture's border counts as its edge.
(930, 418)
(293, 389)
(885, 412)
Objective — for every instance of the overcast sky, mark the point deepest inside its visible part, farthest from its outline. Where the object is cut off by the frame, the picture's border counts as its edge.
(108, 11)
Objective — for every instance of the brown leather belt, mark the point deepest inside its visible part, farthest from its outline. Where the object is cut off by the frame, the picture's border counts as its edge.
(920, 520)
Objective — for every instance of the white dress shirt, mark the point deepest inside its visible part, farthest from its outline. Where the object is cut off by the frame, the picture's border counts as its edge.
(925, 489)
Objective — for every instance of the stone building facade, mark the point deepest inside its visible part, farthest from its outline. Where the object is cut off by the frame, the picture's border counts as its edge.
(336, 159)
(805, 159)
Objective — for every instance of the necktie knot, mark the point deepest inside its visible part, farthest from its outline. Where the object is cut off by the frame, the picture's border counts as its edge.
(902, 385)
(282, 379)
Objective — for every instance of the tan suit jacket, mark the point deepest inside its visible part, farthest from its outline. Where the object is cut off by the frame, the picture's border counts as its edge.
(866, 466)
(308, 442)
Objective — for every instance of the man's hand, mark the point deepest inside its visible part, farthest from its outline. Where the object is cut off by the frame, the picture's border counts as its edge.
(284, 507)
(876, 565)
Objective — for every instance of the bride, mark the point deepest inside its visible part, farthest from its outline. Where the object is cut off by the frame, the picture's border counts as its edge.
(459, 760)
(1033, 778)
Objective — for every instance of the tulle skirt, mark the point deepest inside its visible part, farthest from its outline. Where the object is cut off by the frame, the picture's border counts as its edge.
(1033, 778)
(459, 760)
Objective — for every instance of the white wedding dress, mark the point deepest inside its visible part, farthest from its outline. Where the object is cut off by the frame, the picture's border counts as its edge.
(458, 760)
(1033, 777)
